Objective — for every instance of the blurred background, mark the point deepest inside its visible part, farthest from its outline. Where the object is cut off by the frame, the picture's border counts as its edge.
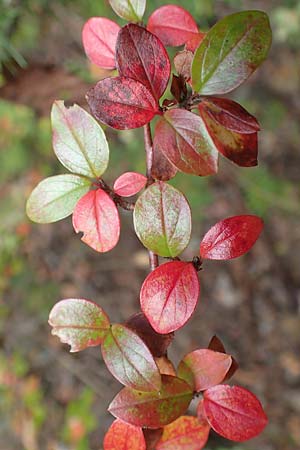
(51, 400)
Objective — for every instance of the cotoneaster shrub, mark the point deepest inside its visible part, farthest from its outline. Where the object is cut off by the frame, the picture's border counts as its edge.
(195, 125)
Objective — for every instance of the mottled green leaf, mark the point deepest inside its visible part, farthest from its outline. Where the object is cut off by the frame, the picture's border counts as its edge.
(131, 10)
(78, 140)
(230, 52)
(162, 220)
(55, 198)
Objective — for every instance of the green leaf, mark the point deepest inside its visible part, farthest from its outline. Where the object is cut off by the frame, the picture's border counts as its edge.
(162, 220)
(231, 51)
(131, 10)
(78, 140)
(55, 197)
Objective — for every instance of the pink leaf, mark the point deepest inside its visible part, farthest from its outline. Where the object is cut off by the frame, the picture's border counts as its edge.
(122, 103)
(141, 56)
(172, 24)
(99, 37)
(234, 412)
(129, 183)
(231, 237)
(96, 215)
(123, 436)
(169, 295)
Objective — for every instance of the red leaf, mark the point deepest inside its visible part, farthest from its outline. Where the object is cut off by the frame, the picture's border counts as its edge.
(153, 409)
(169, 295)
(231, 237)
(122, 103)
(141, 56)
(234, 412)
(99, 38)
(123, 436)
(217, 346)
(183, 138)
(162, 169)
(193, 43)
(129, 183)
(172, 24)
(186, 433)
(96, 215)
(204, 368)
(129, 360)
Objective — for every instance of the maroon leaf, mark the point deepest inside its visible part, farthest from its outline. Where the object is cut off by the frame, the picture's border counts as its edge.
(141, 56)
(157, 343)
(96, 215)
(152, 437)
(217, 346)
(161, 168)
(129, 360)
(122, 103)
(169, 295)
(79, 323)
(172, 24)
(204, 368)
(123, 436)
(129, 183)
(231, 237)
(153, 409)
(234, 412)
(99, 38)
(183, 138)
(186, 433)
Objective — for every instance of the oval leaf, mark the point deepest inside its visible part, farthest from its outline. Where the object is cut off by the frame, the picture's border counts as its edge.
(231, 237)
(183, 138)
(230, 52)
(161, 168)
(129, 359)
(55, 197)
(162, 220)
(78, 140)
(234, 412)
(99, 38)
(96, 215)
(131, 10)
(217, 346)
(183, 64)
(122, 103)
(123, 436)
(173, 25)
(169, 295)
(129, 183)
(185, 433)
(204, 368)
(79, 323)
(141, 56)
(153, 409)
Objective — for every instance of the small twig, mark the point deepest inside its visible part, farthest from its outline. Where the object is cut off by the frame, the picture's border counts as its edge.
(120, 201)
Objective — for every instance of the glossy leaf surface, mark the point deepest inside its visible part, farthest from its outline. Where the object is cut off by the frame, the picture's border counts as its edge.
(204, 368)
(231, 238)
(231, 51)
(162, 169)
(79, 323)
(234, 412)
(99, 38)
(183, 138)
(153, 409)
(141, 56)
(97, 217)
(129, 359)
(55, 197)
(123, 436)
(172, 24)
(162, 220)
(129, 183)
(185, 433)
(131, 10)
(169, 295)
(122, 103)
(78, 140)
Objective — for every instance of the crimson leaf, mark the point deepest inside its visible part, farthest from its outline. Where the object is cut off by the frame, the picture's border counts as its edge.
(231, 237)
(79, 323)
(129, 183)
(169, 295)
(234, 412)
(141, 56)
(123, 436)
